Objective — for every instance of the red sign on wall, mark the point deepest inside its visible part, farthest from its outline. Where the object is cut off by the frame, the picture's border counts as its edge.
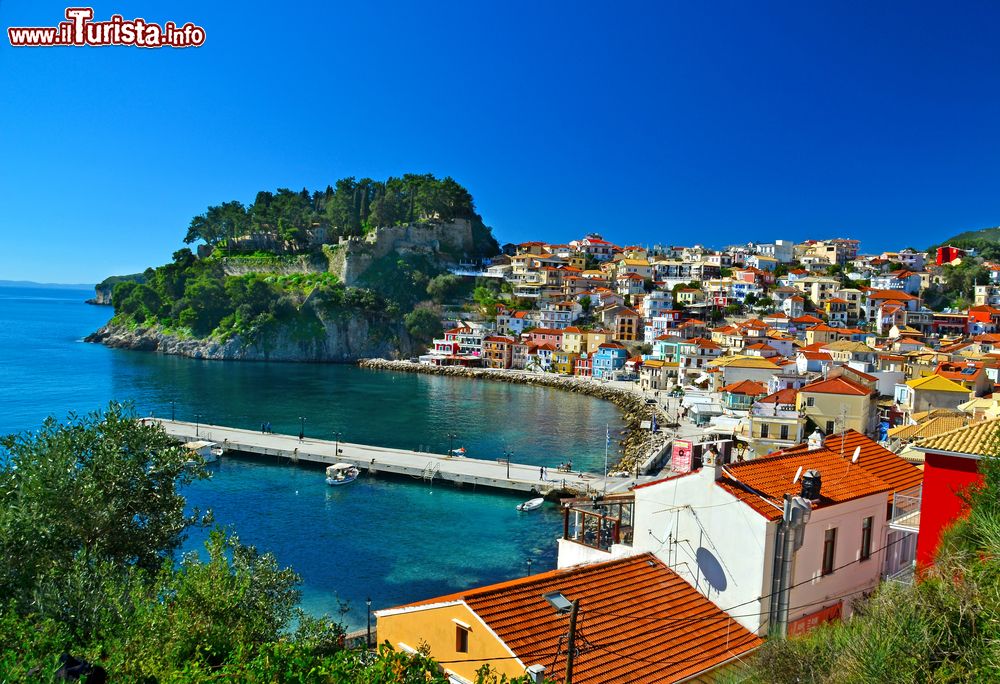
(680, 456)
(808, 622)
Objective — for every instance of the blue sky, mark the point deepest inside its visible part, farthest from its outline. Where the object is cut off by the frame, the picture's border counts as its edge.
(649, 122)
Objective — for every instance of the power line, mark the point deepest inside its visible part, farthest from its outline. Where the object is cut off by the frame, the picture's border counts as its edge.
(725, 611)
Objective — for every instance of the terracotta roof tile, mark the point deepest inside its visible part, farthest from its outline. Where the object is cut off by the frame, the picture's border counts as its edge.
(837, 385)
(612, 596)
(876, 459)
(762, 483)
(976, 440)
(749, 387)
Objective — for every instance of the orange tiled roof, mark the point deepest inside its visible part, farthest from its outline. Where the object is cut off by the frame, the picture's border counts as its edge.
(762, 483)
(890, 294)
(749, 387)
(785, 396)
(624, 605)
(976, 440)
(838, 385)
(895, 471)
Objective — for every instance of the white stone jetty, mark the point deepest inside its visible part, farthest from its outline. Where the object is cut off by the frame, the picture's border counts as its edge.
(429, 467)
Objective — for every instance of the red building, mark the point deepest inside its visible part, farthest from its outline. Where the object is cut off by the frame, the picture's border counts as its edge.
(951, 465)
(946, 255)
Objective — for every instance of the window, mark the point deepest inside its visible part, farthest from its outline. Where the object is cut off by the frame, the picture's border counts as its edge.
(764, 429)
(830, 427)
(829, 550)
(866, 538)
(784, 432)
(461, 639)
(810, 401)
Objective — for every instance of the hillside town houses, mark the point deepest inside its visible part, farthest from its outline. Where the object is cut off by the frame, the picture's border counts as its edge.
(811, 397)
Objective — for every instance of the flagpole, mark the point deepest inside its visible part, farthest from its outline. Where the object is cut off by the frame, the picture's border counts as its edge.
(607, 443)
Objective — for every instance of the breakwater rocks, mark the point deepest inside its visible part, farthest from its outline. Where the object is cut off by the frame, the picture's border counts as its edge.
(636, 445)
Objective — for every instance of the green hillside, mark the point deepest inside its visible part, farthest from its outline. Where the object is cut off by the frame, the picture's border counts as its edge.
(973, 238)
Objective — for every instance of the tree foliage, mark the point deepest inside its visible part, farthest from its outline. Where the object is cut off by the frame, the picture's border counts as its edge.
(423, 324)
(295, 221)
(90, 519)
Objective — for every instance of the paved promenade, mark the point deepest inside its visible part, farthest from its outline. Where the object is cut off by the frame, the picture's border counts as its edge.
(424, 466)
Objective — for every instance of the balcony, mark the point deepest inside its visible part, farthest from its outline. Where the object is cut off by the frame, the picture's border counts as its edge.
(906, 510)
(599, 523)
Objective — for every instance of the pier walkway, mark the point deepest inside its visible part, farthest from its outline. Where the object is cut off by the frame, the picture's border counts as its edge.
(419, 465)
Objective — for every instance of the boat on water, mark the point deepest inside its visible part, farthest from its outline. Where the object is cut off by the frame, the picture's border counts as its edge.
(202, 451)
(341, 474)
(531, 504)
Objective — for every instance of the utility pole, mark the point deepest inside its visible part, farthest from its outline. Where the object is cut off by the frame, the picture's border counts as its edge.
(571, 641)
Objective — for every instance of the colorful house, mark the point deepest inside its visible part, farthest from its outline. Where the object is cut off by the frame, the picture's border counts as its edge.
(840, 403)
(740, 396)
(930, 392)
(498, 351)
(564, 362)
(609, 359)
(521, 626)
(951, 465)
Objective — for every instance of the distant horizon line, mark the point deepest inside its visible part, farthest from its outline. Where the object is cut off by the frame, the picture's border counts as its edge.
(59, 286)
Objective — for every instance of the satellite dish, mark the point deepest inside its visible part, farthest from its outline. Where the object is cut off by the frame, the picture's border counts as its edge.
(857, 452)
(797, 474)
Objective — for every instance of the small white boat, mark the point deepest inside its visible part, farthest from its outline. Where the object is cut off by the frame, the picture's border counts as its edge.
(201, 451)
(341, 474)
(531, 504)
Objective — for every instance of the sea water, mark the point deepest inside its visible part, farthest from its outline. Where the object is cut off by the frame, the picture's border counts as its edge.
(393, 540)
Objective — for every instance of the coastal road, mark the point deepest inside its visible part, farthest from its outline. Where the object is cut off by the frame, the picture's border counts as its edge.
(419, 465)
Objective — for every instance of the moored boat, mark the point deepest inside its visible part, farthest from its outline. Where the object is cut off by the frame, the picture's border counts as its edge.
(531, 504)
(202, 451)
(341, 474)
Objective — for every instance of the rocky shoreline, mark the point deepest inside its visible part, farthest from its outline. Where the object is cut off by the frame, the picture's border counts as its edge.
(340, 342)
(636, 443)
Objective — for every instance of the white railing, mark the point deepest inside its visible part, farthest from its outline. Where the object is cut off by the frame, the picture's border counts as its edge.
(906, 509)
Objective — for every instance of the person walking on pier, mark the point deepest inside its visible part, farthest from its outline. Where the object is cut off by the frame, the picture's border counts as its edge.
(541, 473)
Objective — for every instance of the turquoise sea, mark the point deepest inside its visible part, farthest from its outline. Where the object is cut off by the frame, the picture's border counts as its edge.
(395, 540)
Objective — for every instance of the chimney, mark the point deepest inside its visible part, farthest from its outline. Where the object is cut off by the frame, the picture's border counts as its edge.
(711, 462)
(815, 441)
(536, 673)
(812, 483)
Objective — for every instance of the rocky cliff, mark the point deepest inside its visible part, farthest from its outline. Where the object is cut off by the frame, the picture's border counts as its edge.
(340, 341)
(103, 289)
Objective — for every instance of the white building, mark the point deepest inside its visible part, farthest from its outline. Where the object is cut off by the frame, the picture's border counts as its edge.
(719, 527)
(782, 250)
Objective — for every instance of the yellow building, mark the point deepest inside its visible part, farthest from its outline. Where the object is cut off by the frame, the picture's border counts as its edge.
(931, 392)
(595, 338)
(839, 403)
(574, 340)
(564, 362)
(520, 626)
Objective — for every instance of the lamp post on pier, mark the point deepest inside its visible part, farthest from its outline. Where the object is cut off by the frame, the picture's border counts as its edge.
(451, 442)
(197, 421)
(507, 454)
(368, 640)
(302, 428)
(336, 448)
(172, 413)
